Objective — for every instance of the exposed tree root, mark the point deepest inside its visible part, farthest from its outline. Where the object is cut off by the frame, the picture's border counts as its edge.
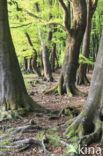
(8, 115)
(23, 144)
(83, 80)
(86, 135)
(26, 129)
(49, 79)
(20, 144)
(69, 111)
(52, 90)
(43, 145)
(70, 91)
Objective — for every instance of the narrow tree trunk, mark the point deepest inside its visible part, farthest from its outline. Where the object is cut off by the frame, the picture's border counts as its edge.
(45, 53)
(53, 57)
(32, 64)
(90, 120)
(13, 94)
(81, 74)
(29, 69)
(25, 64)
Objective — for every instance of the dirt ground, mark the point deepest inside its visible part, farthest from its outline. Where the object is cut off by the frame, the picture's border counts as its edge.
(56, 101)
(52, 127)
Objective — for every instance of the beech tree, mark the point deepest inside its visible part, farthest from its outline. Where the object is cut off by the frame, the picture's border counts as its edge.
(13, 94)
(89, 124)
(81, 75)
(32, 62)
(74, 36)
(45, 50)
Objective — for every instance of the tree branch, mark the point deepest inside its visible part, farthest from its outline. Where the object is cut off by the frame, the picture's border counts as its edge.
(57, 24)
(37, 17)
(33, 15)
(94, 5)
(66, 14)
(19, 26)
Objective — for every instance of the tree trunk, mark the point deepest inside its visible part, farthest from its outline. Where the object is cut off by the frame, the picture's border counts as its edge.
(29, 69)
(74, 36)
(45, 52)
(13, 94)
(90, 119)
(25, 64)
(81, 74)
(53, 57)
(32, 64)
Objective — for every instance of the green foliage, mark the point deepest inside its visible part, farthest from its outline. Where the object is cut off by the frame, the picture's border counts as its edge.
(53, 129)
(84, 60)
(54, 139)
(29, 75)
(73, 147)
(70, 133)
(40, 135)
(30, 25)
(27, 83)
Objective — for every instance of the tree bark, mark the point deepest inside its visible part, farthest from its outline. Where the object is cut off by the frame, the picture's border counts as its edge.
(74, 36)
(25, 64)
(29, 69)
(13, 94)
(53, 57)
(45, 52)
(90, 120)
(81, 74)
(32, 64)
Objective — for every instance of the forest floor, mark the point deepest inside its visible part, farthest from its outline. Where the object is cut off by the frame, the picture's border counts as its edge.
(53, 128)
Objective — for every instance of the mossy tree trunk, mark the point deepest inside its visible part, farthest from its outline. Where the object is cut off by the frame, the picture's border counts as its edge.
(81, 74)
(74, 36)
(13, 94)
(90, 120)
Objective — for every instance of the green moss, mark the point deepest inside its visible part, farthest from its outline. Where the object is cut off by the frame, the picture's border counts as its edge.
(52, 90)
(40, 135)
(60, 88)
(0, 114)
(53, 129)
(84, 113)
(2, 135)
(3, 150)
(5, 142)
(80, 129)
(29, 75)
(67, 112)
(54, 139)
(22, 111)
(6, 115)
(69, 93)
(10, 129)
(27, 84)
(69, 122)
(14, 115)
(70, 133)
